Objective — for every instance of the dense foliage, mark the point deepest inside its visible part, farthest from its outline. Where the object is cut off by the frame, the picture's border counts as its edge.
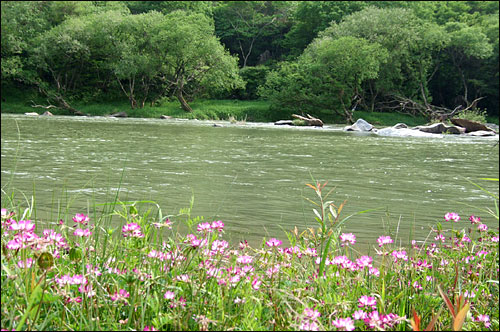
(405, 56)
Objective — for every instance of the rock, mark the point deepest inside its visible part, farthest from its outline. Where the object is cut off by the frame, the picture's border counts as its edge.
(119, 115)
(440, 128)
(165, 117)
(31, 113)
(402, 132)
(217, 125)
(47, 113)
(284, 123)
(493, 126)
(469, 125)
(400, 126)
(481, 133)
(360, 125)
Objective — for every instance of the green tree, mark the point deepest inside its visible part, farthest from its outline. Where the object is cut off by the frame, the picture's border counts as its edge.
(193, 58)
(328, 75)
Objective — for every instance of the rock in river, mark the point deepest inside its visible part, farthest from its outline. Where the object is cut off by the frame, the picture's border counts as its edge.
(360, 125)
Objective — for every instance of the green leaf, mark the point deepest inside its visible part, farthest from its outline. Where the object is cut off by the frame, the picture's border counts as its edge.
(323, 257)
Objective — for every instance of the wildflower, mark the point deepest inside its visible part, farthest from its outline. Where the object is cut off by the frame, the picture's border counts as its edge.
(25, 264)
(469, 295)
(416, 285)
(132, 230)
(373, 319)
(169, 295)
(364, 261)
(374, 271)
(440, 237)
(345, 324)
(51, 235)
(482, 227)
(22, 225)
(81, 218)
(4, 213)
(429, 278)
(452, 216)
(219, 245)
(359, 315)
(272, 271)
(204, 227)
(367, 301)
(474, 220)
(482, 253)
(494, 239)
(399, 255)
(311, 314)
(237, 300)
(121, 295)
(243, 245)
(273, 242)
(256, 283)
(309, 326)
(182, 277)
(82, 232)
(14, 244)
(244, 259)
(311, 252)
(149, 328)
(485, 319)
(347, 239)
(384, 240)
(218, 225)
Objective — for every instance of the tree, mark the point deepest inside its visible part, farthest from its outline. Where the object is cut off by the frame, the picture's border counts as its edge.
(244, 25)
(193, 58)
(328, 75)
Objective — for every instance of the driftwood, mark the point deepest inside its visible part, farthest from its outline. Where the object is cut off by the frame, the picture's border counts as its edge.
(311, 121)
(41, 106)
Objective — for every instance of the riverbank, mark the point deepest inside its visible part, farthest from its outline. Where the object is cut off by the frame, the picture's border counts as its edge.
(81, 274)
(232, 110)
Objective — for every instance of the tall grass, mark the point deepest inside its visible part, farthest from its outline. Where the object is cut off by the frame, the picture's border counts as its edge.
(84, 275)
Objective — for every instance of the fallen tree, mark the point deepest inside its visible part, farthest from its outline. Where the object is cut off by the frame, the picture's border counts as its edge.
(311, 121)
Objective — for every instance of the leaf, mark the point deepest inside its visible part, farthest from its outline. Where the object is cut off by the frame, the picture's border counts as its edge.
(447, 301)
(133, 210)
(317, 214)
(433, 321)
(323, 257)
(415, 321)
(459, 320)
(332, 211)
(311, 186)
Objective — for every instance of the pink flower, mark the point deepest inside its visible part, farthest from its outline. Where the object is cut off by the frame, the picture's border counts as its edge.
(14, 244)
(4, 213)
(132, 230)
(81, 218)
(22, 225)
(256, 283)
(399, 255)
(204, 227)
(312, 314)
(367, 301)
(359, 315)
(219, 245)
(244, 259)
(364, 261)
(347, 239)
(273, 242)
(474, 220)
(485, 319)
(182, 277)
(219, 225)
(82, 232)
(384, 240)
(169, 295)
(309, 326)
(345, 324)
(440, 237)
(121, 295)
(482, 227)
(149, 328)
(451, 216)
(25, 264)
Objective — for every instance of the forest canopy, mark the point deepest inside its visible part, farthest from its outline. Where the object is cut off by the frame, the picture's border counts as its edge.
(413, 57)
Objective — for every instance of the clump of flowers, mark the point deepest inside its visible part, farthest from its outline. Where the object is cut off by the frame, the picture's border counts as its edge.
(132, 230)
(452, 216)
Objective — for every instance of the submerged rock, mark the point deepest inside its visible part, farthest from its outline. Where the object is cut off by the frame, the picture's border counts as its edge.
(47, 113)
(469, 125)
(359, 125)
(119, 115)
(165, 117)
(284, 123)
(479, 133)
(31, 113)
(402, 132)
(440, 128)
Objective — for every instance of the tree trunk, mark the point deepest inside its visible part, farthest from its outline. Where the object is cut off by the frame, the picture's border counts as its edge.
(311, 121)
(185, 106)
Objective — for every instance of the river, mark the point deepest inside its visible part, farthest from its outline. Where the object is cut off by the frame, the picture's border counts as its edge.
(251, 176)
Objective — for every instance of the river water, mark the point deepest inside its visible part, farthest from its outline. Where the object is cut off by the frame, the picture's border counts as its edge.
(251, 176)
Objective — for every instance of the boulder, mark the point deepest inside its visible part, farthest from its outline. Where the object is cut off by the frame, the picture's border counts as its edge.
(31, 113)
(360, 125)
(217, 125)
(119, 115)
(481, 133)
(47, 113)
(469, 125)
(440, 128)
(402, 132)
(400, 126)
(284, 123)
(165, 117)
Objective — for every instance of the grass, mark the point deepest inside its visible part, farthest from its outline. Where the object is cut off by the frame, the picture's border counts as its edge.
(82, 274)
